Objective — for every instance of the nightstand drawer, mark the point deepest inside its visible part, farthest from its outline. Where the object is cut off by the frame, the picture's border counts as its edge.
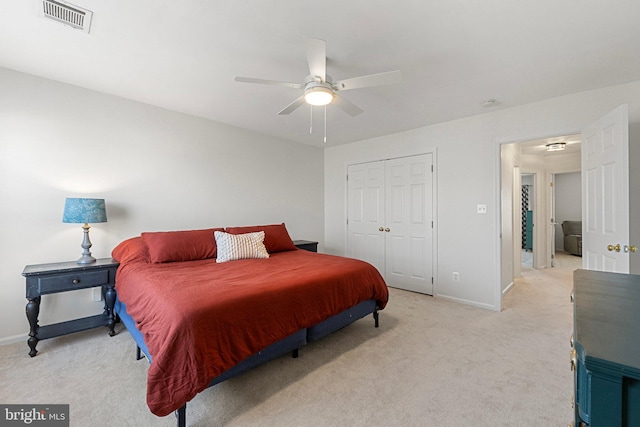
(71, 281)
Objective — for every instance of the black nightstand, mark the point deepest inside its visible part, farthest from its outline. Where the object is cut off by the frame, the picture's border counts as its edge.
(52, 278)
(307, 245)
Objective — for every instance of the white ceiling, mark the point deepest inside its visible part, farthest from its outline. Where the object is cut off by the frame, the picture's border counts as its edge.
(453, 55)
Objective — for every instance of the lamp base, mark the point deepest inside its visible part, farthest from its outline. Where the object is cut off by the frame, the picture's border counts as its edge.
(85, 259)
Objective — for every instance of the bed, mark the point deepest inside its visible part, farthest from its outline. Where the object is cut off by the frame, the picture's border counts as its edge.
(206, 305)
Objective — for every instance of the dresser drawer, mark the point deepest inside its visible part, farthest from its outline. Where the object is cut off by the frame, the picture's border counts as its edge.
(71, 281)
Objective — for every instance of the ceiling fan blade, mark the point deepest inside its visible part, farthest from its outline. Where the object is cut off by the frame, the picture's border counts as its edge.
(268, 82)
(317, 58)
(346, 106)
(293, 106)
(380, 79)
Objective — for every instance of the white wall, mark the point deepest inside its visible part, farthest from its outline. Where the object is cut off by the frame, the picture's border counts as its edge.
(468, 242)
(568, 188)
(156, 169)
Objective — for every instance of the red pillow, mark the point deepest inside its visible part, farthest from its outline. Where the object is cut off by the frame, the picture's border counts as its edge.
(276, 237)
(188, 245)
(130, 250)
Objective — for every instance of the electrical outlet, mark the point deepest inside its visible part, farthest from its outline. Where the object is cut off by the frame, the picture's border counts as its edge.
(97, 294)
(482, 209)
(456, 276)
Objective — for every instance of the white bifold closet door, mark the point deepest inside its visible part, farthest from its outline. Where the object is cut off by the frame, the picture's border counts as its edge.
(390, 219)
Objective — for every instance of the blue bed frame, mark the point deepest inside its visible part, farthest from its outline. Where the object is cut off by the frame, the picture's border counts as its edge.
(290, 344)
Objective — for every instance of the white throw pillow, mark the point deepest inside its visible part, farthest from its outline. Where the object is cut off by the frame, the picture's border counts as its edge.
(240, 246)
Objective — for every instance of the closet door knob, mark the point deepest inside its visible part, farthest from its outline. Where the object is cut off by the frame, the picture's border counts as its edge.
(387, 229)
(380, 229)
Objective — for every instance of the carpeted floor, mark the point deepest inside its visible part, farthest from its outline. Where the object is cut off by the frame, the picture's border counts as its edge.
(431, 363)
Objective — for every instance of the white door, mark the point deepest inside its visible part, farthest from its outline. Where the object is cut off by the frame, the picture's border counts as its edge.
(605, 193)
(365, 217)
(390, 219)
(408, 227)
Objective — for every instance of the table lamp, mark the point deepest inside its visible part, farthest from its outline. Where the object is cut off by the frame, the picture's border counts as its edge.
(84, 211)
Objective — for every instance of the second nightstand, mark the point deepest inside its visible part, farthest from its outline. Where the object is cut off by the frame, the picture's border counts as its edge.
(307, 245)
(52, 278)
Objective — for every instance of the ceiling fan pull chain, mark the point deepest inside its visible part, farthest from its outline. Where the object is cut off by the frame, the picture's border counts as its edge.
(310, 119)
(325, 124)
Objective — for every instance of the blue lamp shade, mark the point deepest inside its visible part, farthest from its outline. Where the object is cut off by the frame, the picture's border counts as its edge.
(84, 211)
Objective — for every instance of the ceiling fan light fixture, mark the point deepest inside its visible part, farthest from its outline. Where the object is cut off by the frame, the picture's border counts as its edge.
(556, 146)
(318, 96)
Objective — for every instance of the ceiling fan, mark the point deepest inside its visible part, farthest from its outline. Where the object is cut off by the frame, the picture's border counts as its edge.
(319, 89)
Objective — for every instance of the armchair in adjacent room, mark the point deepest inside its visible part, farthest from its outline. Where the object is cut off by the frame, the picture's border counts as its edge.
(572, 237)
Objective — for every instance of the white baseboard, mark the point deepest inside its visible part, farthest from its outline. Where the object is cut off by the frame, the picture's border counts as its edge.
(507, 289)
(14, 339)
(467, 302)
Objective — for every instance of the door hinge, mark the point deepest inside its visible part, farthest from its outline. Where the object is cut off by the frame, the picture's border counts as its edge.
(432, 280)
(431, 168)
(431, 224)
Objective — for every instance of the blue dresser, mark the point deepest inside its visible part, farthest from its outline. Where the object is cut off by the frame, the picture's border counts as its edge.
(605, 350)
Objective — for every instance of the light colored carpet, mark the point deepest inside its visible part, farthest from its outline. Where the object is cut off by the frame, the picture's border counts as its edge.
(431, 363)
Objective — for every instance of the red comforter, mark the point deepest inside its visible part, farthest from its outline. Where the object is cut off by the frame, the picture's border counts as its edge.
(200, 318)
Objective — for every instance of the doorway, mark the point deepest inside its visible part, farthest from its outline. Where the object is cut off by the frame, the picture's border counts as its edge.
(527, 208)
(603, 163)
(567, 207)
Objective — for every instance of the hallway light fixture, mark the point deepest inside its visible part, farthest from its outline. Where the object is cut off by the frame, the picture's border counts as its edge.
(556, 146)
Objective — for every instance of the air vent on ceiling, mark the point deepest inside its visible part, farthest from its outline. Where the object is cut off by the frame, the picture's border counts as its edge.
(67, 14)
